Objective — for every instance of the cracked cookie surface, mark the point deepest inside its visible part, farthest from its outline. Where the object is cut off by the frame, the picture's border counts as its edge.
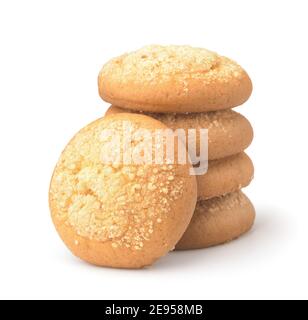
(114, 214)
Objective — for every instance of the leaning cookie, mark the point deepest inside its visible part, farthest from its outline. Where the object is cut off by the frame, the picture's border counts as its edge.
(174, 79)
(225, 175)
(229, 132)
(217, 221)
(116, 214)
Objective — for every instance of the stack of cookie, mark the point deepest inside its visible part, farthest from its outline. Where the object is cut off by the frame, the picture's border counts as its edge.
(128, 214)
(193, 88)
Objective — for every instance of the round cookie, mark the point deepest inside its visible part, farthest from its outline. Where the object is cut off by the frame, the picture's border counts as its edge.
(225, 175)
(229, 132)
(119, 215)
(217, 221)
(174, 79)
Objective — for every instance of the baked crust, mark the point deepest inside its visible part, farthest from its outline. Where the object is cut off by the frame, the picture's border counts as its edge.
(174, 79)
(229, 132)
(217, 221)
(119, 215)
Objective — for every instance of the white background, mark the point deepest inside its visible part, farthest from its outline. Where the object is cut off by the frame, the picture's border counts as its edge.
(50, 56)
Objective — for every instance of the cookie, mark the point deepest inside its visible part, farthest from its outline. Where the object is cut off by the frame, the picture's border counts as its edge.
(177, 79)
(229, 132)
(117, 214)
(217, 221)
(225, 175)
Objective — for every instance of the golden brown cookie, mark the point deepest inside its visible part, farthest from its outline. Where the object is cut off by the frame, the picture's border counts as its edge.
(225, 175)
(174, 79)
(119, 215)
(217, 221)
(229, 132)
